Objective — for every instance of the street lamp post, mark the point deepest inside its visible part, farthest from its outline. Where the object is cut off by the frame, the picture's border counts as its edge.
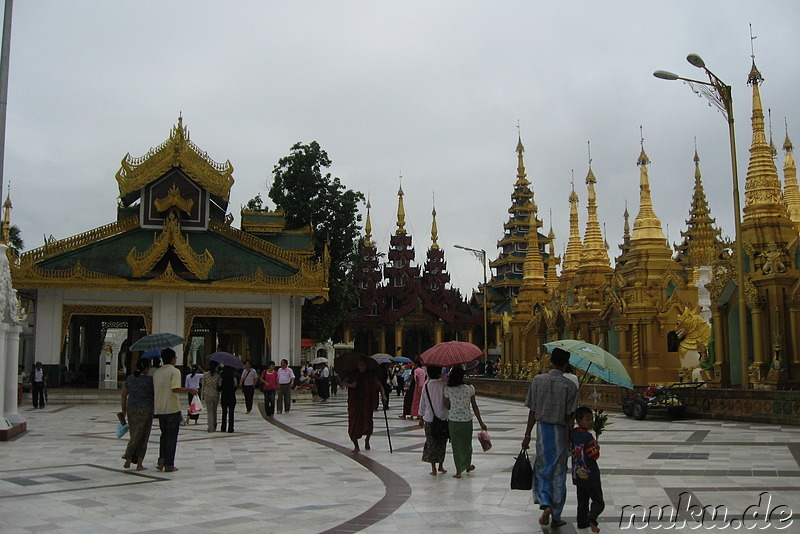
(481, 255)
(719, 94)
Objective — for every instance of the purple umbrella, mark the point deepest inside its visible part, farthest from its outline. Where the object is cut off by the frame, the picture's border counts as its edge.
(228, 359)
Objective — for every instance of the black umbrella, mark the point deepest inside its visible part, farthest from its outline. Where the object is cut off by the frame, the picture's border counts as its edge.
(227, 359)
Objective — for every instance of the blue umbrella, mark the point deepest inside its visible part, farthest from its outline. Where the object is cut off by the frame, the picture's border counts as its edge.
(226, 358)
(152, 353)
(402, 359)
(594, 361)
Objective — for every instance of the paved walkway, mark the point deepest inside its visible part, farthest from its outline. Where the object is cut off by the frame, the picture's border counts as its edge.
(297, 475)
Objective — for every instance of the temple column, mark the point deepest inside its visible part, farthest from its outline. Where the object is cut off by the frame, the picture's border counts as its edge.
(382, 341)
(437, 333)
(10, 410)
(794, 334)
(398, 338)
(636, 348)
(758, 336)
(624, 352)
(347, 335)
(5, 424)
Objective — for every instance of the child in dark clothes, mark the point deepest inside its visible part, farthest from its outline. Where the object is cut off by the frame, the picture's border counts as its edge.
(585, 473)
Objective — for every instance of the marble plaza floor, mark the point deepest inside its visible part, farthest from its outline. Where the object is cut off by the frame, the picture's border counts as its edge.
(296, 474)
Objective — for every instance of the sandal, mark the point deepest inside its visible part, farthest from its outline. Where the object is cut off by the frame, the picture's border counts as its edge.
(558, 523)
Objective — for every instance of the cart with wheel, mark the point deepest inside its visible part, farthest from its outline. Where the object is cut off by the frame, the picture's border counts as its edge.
(674, 398)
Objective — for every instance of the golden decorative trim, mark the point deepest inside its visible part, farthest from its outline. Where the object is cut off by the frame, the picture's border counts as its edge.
(177, 151)
(54, 248)
(190, 313)
(142, 263)
(174, 198)
(295, 259)
(68, 311)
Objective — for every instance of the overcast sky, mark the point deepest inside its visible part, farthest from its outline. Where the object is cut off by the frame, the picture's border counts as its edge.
(432, 90)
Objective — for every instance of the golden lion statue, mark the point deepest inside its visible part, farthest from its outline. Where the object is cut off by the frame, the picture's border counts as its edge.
(693, 332)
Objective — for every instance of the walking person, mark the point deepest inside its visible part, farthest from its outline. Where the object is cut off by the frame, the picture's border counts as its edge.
(269, 385)
(227, 396)
(22, 376)
(585, 473)
(408, 399)
(167, 387)
(432, 405)
(285, 385)
(459, 398)
(249, 381)
(323, 381)
(362, 397)
(209, 393)
(552, 399)
(192, 381)
(38, 383)
(137, 404)
(419, 383)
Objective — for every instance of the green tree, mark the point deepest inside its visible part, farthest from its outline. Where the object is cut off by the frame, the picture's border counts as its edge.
(308, 195)
(255, 203)
(14, 236)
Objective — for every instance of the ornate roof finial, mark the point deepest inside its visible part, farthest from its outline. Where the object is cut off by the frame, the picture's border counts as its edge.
(434, 228)
(593, 252)
(7, 216)
(642, 156)
(368, 226)
(401, 210)
(552, 260)
(521, 175)
(771, 144)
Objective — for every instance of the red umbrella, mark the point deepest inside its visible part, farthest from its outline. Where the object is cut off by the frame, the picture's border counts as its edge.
(451, 353)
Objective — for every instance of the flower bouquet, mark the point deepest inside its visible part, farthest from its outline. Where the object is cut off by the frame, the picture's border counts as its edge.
(600, 423)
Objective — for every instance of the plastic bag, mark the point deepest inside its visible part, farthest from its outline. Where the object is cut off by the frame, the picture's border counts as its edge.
(522, 473)
(121, 430)
(485, 440)
(196, 406)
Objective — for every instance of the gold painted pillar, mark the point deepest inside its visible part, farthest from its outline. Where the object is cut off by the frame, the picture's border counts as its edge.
(470, 336)
(758, 336)
(794, 334)
(624, 351)
(398, 338)
(636, 348)
(347, 334)
(720, 350)
(382, 340)
(437, 333)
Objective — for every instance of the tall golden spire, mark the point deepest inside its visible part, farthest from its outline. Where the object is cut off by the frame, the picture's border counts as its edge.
(434, 228)
(646, 226)
(593, 252)
(701, 241)
(762, 191)
(552, 259)
(533, 287)
(572, 256)
(368, 228)
(7, 217)
(521, 175)
(401, 211)
(791, 192)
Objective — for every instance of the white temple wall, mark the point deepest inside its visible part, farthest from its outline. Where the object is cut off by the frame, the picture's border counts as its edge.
(168, 316)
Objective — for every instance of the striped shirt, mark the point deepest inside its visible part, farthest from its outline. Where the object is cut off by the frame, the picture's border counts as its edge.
(552, 397)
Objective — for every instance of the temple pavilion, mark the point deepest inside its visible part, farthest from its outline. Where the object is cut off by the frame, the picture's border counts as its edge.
(171, 262)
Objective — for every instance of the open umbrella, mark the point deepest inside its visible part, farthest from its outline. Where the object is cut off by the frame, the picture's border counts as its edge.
(152, 353)
(382, 358)
(161, 340)
(451, 353)
(594, 361)
(228, 359)
(319, 359)
(346, 363)
(401, 359)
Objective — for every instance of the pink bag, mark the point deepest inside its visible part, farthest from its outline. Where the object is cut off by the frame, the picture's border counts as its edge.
(485, 440)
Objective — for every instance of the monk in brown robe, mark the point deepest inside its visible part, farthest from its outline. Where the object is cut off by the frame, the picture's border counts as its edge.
(362, 397)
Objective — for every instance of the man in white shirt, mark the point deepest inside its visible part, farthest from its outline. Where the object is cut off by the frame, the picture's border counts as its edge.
(167, 387)
(38, 380)
(323, 382)
(285, 383)
(249, 379)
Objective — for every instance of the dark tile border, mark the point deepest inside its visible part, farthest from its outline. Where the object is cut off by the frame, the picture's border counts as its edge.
(397, 490)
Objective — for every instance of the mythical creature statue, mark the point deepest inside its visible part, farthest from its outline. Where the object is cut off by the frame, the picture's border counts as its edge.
(693, 332)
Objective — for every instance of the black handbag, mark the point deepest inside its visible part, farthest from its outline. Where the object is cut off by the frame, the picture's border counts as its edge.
(522, 473)
(440, 428)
